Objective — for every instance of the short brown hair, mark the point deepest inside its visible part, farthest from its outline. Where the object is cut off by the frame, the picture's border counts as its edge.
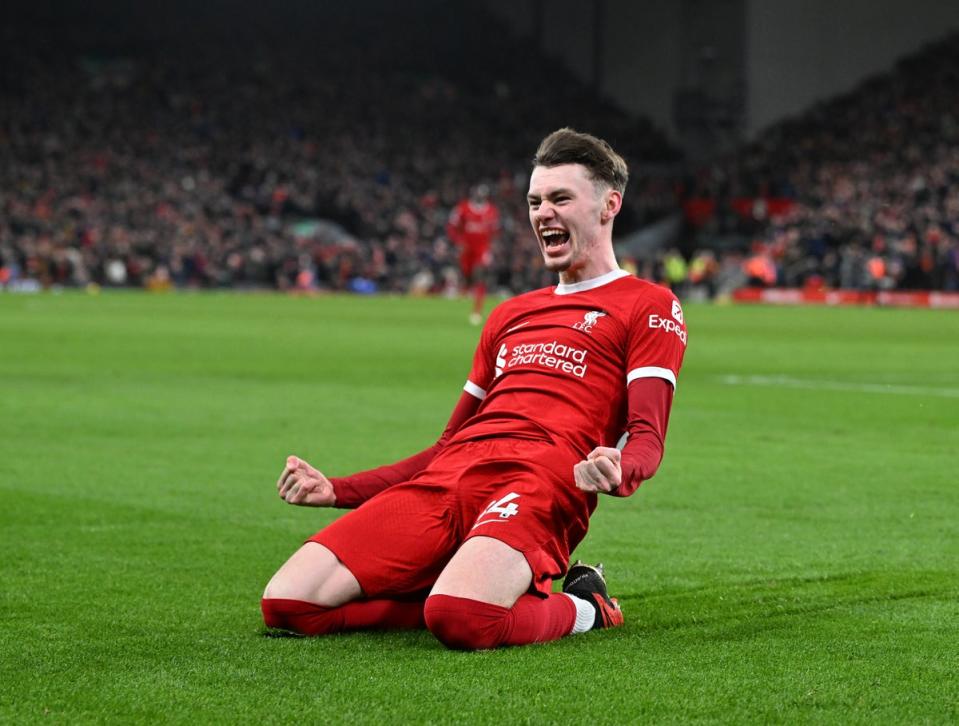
(567, 146)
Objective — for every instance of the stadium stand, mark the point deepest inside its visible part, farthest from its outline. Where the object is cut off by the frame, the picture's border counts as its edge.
(272, 154)
(860, 193)
(267, 153)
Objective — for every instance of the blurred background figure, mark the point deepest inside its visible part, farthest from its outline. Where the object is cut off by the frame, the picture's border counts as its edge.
(473, 225)
(675, 272)
(703, 271)
(759, 267)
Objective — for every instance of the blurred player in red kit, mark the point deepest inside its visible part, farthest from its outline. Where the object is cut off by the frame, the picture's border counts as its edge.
(466, 537)
(473, 225)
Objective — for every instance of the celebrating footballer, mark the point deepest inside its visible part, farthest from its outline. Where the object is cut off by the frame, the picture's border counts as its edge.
(466, 537)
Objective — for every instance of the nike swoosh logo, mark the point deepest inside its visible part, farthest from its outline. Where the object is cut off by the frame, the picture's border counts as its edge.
(488, 521)
(515, 327)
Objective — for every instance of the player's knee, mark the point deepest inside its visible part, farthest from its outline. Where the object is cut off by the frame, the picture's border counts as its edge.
(282, 588)
(464, 624)
(329, 592)
(314, 574)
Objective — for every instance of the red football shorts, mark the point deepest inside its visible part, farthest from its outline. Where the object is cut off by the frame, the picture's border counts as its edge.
(473, 257)
(518, 491)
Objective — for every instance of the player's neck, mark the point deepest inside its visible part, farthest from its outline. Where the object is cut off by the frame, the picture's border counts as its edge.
(597, 266)
(567, 288)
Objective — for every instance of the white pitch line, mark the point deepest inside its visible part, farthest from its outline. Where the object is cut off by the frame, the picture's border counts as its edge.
(787, 382)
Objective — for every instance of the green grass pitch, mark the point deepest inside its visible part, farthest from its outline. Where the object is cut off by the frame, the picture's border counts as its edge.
(796, 559)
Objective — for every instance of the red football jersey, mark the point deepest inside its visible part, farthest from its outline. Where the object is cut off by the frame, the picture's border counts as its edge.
(556, 362)
(473, 225)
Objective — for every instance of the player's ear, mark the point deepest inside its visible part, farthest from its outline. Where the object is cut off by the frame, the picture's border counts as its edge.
(612, 203)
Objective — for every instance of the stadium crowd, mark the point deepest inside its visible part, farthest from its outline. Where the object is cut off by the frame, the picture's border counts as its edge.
(860, 192)
(275, 158)
(294, 161)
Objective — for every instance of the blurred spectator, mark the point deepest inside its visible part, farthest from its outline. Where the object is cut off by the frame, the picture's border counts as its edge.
(703, 270)
(676, 272)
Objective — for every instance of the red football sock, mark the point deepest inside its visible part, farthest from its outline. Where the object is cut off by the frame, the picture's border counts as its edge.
(465, 624)
(308, 618)
(479, 295)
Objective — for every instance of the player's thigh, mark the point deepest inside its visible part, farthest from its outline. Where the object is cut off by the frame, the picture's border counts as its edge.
(485, 261)
(534, 508)
(468, 264)
(398, 542)
(314, 574)
(487, 570)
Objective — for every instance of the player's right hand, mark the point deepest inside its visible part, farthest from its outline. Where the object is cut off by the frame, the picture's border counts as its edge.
(601, 471)
(301, 484)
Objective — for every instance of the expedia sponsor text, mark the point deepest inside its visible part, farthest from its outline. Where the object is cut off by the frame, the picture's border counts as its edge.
(656, 322)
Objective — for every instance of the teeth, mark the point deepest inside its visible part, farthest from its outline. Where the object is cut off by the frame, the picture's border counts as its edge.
(547, 233)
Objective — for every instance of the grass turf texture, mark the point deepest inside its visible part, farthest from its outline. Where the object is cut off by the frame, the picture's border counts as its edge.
(793, 561)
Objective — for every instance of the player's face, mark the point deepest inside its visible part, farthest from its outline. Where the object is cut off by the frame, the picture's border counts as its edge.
(566, 209)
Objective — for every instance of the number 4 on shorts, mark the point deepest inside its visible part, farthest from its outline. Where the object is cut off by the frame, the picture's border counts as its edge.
(505, 508)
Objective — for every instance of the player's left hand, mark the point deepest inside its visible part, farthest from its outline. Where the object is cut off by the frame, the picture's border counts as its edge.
(601, 471)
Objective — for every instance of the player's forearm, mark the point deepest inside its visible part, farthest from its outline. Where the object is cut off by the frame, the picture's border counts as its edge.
(641, 458)
(649, 403)
(352, 491)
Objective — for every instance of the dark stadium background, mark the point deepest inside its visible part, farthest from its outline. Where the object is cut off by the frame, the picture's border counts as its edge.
(810, 146)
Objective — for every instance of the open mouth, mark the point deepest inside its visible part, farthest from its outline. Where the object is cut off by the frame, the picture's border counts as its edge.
(555, 239)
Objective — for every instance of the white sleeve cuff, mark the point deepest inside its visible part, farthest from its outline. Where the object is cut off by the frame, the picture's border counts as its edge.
(651, 372)
(474, 390)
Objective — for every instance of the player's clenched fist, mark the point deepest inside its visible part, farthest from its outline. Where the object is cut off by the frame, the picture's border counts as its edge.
(601, 471)
(301, 484)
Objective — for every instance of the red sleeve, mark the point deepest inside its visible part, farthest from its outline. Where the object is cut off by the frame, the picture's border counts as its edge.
(351, 491)
(650, 400)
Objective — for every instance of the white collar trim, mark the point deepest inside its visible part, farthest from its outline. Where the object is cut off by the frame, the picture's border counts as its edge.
(591, 284)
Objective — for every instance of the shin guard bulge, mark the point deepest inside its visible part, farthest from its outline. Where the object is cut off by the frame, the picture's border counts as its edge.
(464, 624)
(309, 618)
